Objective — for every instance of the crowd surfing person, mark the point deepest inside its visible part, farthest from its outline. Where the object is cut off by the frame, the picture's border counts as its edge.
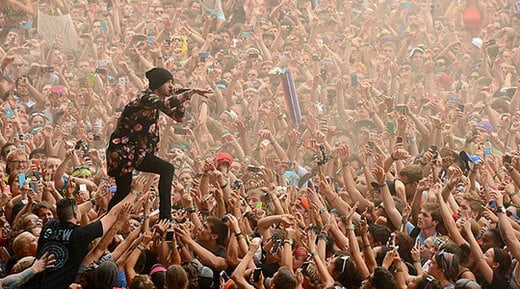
(403, 171)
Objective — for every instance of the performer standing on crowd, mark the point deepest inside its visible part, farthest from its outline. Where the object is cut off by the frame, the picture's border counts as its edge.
(135, 139)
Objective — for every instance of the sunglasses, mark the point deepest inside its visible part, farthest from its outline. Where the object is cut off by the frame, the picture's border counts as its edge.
(344, 259)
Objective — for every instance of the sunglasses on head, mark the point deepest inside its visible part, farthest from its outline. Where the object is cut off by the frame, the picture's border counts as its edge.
(344, 260)
(446, 258)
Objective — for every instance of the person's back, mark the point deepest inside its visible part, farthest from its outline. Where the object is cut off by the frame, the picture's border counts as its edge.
(68, 242)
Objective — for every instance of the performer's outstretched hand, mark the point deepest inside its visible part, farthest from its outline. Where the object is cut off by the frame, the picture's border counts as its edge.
(201, 92)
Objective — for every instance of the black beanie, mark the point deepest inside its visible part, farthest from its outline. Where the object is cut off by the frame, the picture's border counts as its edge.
(106, 275)
(157, 76)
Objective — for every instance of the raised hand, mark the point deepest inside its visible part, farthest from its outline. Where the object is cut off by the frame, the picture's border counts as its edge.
(147, 237)
(138, 184)
(202, 92)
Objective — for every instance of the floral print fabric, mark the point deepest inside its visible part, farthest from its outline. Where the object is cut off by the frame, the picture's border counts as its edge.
(137, 131)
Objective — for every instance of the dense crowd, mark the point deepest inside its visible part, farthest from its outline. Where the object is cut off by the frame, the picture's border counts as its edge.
(400, 168)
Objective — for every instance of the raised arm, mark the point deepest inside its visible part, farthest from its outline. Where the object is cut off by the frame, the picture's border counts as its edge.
(390, 209)
(109, 219)
(204, 255)
(238, 274)
(476, 252)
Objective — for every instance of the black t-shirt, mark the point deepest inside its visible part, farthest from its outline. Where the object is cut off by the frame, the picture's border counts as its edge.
(221, 252)
(68, 242)
(499, 281)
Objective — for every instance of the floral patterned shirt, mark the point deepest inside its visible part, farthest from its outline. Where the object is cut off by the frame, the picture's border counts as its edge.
(137, 131)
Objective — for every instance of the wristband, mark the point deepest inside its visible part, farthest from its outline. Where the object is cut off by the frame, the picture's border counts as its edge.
(322, 237)
(140, 248)
(513, 194)
(238, 234)
(392, 156)
(135, 192)
(190, 210)
(224, 186)
(289, 241)
(323, 210)
(417, 260)
(501, 209)
(314, 253)
(351, 227)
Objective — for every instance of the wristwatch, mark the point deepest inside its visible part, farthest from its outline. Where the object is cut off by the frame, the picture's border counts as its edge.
(501, 209)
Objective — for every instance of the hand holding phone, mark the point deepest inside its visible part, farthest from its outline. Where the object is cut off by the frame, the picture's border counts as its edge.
(256, 274)
(224, 275)
(21, 180)
(169, 235)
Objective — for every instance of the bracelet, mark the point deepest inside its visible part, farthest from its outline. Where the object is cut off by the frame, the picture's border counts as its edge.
(398, 269)
(417, 260)
(322, 237)
(323, 210)
(238, 234)
(140, 248)
(224, 186)
(134, 192)
(392, 156)
(351, 227)
(511, 169)
(513, 194)
(366, 246)
(314, 253)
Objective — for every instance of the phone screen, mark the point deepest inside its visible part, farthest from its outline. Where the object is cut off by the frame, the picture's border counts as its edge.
(256, 274)
(33, 187)
(169, 235)
(21, 180)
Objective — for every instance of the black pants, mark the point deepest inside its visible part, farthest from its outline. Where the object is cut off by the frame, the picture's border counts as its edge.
(151, 164)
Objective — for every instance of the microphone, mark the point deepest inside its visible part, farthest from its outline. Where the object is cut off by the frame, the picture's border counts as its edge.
(181, 90)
